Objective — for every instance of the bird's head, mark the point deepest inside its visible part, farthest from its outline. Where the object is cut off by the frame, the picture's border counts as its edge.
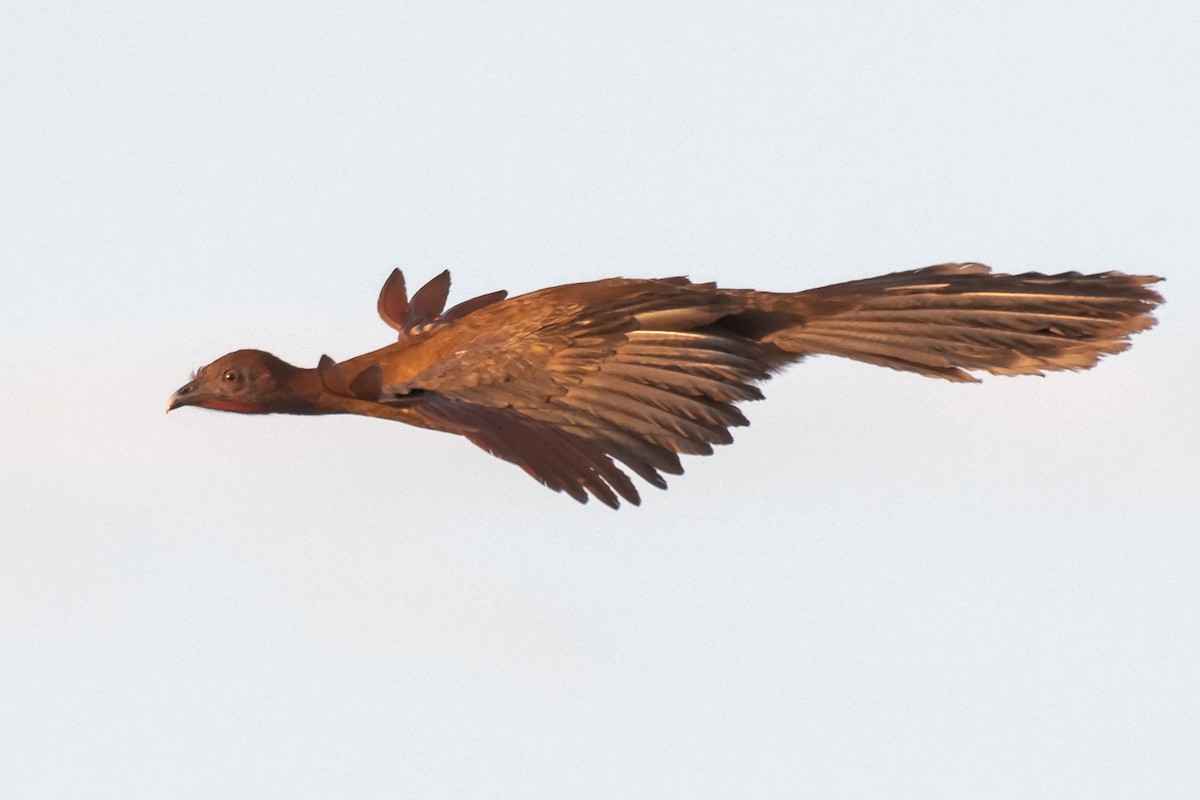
(245, 381)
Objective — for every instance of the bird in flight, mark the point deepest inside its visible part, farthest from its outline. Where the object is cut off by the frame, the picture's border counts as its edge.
(567, 381)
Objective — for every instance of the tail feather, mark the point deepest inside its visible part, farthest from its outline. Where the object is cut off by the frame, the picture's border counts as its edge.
(948, 320)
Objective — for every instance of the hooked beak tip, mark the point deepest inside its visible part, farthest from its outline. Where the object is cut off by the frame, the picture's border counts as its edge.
(180, 398)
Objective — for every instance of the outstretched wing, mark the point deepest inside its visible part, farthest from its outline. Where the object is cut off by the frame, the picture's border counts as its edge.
(563, 381)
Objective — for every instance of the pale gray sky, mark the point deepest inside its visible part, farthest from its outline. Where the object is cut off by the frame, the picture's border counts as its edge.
(889, 587)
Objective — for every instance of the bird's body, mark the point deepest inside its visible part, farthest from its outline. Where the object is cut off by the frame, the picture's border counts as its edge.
(564, 380)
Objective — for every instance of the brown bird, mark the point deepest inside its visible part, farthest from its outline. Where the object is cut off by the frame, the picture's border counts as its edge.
(564, 380)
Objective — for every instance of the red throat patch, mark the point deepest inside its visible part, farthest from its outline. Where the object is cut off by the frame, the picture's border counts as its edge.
(227, 405)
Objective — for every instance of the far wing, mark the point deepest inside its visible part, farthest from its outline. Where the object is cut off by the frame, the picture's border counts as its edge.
(425, 309)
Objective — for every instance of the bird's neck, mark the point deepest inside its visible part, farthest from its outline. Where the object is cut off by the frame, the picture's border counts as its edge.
(300, 391)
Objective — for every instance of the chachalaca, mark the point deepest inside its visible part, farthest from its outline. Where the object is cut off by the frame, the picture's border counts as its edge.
(564, 380)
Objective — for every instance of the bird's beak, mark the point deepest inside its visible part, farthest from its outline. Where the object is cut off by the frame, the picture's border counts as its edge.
(186, 396)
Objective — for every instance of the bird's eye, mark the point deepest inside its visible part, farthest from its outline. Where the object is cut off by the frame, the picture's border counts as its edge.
(231, 376)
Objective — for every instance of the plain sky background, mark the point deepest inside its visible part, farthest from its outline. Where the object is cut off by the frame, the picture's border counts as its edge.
(889, 587)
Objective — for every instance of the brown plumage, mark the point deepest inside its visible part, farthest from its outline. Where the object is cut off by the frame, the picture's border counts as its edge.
(565, 380)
